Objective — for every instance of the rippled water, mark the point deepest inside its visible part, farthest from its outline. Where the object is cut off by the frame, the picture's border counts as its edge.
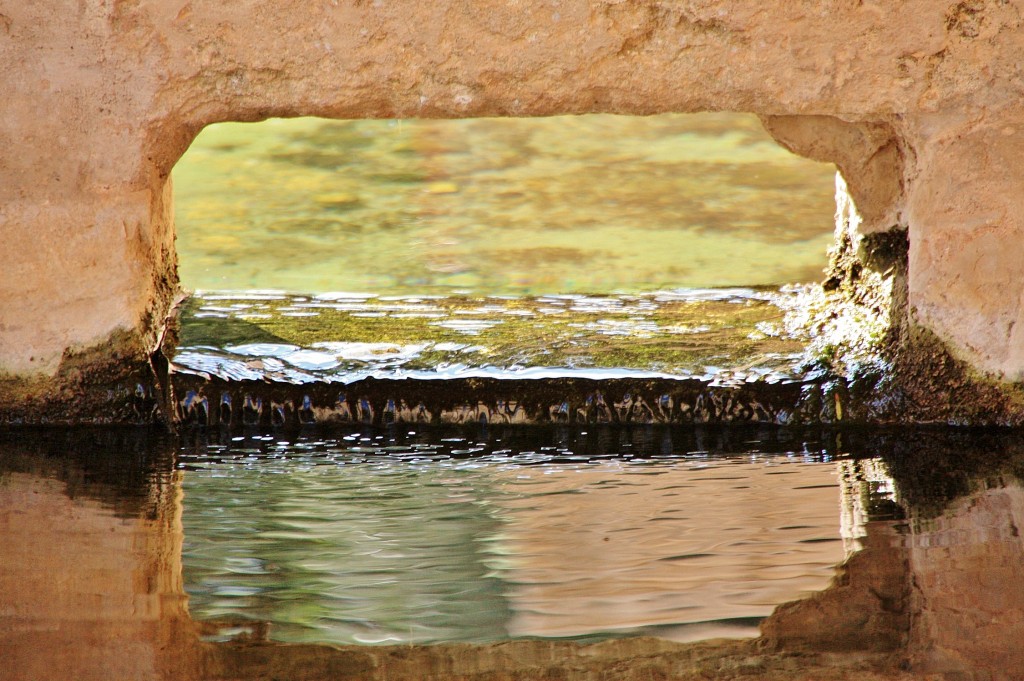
(487, 249)
(570, 204)
(382, 536)
(130, 554)
(717, 335)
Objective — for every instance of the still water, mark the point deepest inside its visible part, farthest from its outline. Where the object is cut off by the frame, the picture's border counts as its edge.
(130, 554)
(424, 537)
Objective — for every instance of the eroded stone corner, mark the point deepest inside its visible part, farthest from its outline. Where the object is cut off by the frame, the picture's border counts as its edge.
(120, 380)
(869, 358)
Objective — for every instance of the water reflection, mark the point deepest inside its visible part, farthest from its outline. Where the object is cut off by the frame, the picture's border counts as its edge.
(91, 526)
(938, 579)
(90, 569)
(684, 551)
(342, 552)
(473, 538)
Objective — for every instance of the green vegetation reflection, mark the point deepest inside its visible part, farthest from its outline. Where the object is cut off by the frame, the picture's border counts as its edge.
(499, 206)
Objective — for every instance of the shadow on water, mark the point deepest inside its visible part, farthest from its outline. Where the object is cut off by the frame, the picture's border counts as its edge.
(94, 533)
(214, 331)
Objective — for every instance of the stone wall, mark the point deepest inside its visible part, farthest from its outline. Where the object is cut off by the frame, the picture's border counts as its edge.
(916, 102)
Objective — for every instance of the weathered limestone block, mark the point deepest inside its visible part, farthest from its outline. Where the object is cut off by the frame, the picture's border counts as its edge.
(867, 155)
(967, 265)
(914, 101)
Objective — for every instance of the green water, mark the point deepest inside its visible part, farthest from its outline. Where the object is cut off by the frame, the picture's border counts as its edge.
(372, 536)
(589, 204)
(723, 334)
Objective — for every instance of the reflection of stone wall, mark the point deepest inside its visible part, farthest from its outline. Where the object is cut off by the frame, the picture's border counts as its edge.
(672, 545)
(968, 587)
(943, 592)
(90, 584)
(85, 594)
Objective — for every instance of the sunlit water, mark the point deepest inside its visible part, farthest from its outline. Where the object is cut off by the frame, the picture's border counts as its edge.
(569, 204)
(720, 335)
(410, 537)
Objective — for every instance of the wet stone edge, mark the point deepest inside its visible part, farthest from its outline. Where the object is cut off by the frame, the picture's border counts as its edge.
(199, 401)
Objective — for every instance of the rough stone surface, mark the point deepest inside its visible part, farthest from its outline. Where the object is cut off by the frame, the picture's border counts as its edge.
(917, 102)
(870, 359)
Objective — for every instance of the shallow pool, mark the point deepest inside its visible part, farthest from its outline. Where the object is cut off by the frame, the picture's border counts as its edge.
(427, 535)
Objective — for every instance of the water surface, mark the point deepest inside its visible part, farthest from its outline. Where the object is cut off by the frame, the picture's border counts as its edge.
(409, 537)
(569, 204)
(719, 335)
(129, 554)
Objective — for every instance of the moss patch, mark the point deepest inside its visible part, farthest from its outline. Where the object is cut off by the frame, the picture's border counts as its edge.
(111, 382)
(872, 362)
(658, 332)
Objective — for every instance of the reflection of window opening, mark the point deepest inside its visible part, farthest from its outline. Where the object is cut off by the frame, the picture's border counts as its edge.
(506, 206)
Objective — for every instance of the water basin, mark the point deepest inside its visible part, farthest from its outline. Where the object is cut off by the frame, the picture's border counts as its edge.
(247, 553)
(413, 537)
